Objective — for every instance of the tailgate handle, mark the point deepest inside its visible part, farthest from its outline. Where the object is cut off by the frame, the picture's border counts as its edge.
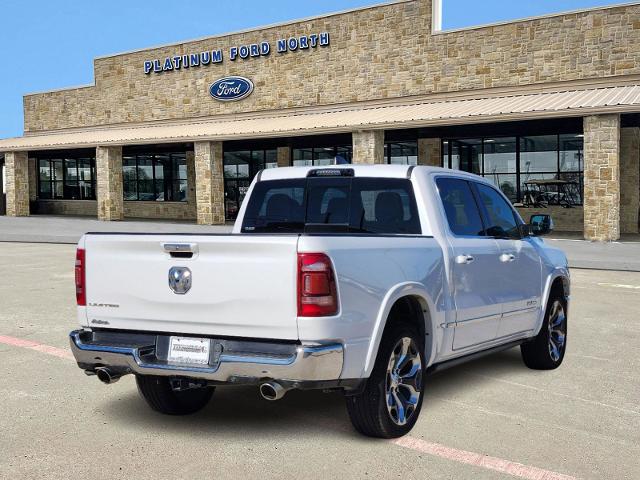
(181, 250)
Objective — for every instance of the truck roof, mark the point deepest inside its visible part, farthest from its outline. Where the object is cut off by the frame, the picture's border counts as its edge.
(382, 171)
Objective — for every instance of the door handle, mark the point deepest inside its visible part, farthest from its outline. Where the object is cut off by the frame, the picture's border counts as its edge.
(464, 259)
(507, 257)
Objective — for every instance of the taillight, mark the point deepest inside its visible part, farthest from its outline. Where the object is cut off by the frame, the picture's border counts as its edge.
(81, 292)
(317, 296)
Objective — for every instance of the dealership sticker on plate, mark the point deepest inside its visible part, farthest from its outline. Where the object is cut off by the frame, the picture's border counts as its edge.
(189, 350)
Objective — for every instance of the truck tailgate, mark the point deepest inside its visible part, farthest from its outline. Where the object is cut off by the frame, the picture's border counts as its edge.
(242, 285)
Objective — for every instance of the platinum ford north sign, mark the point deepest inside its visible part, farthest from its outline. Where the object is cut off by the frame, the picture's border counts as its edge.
(230, 89)
(243, 52)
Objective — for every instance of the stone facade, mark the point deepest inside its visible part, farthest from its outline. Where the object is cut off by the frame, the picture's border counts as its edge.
(430, 152)
(375, 53)
(79, 208)
(368, 147)
(564, 219)
(602, 177)
(629, 180)
(209, 183)
(17, 172)
(109, 183)
(168, 210)
(284, 156)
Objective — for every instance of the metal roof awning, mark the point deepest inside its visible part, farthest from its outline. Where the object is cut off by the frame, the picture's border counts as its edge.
(441, 112)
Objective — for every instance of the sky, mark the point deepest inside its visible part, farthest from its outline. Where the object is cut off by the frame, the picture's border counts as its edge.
(47, 44)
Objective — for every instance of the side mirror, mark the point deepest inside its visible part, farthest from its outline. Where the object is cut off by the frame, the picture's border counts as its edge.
(540, 225)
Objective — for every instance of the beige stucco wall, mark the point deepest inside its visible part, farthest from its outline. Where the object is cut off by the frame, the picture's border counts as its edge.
(375, 53)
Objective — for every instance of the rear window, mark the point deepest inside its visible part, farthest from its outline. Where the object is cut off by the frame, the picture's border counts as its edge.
(332, 205)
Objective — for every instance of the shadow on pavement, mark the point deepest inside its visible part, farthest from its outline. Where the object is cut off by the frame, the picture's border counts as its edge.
(241, 412)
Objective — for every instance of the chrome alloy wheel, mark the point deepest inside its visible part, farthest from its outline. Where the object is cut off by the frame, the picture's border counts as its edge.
(403, 385)
(557, 330)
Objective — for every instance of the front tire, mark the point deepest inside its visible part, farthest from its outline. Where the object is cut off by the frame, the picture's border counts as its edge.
(391, 402)
(163, 398)
(546, 351)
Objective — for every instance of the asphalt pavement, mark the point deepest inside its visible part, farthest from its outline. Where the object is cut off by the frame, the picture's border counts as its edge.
(489, 419)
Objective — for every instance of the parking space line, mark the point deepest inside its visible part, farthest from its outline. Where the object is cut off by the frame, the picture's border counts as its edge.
(461, 456)
(37, 346)
(619, 285)
(470, 458)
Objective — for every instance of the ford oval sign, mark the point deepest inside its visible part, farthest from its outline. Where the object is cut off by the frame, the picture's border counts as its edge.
(231, 89)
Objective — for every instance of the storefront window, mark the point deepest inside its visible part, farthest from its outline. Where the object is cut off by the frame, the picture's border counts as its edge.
(66, 178)
(500, 164)
(401, 153)
(466, 154)
(239, 169)
(545, 169)
(539, 154)
(155, 177)
(322, 156)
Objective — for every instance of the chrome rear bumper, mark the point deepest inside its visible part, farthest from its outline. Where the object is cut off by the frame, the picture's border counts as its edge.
(236, 362)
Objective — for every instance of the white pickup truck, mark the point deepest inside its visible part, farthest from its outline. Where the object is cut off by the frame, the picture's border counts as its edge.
(363, 279)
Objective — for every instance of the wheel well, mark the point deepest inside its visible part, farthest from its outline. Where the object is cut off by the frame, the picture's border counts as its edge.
(414, 311)
(558, 286)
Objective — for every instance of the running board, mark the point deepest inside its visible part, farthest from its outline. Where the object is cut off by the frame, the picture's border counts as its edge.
(473, 356)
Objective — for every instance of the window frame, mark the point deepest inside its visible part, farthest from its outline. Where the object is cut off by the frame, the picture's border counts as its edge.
(230, 182)
(314, 148)
(403, 144)
(155, 164)
(446, 160)
(484, 214)
(475, 199)
(354, 184)
(62, 160)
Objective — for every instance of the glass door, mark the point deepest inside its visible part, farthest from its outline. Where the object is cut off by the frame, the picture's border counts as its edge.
(240, 167)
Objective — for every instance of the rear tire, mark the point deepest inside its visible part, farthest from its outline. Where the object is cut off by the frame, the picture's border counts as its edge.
(390, 404)
(546, 351)
(161, 397)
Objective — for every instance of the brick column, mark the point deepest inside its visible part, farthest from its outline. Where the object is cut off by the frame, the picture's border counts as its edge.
(17, 171)
(629, 179)
(368, 147)
(109, 183)
(430, 152)
(284, 157)
(209, 183)
(602, 177)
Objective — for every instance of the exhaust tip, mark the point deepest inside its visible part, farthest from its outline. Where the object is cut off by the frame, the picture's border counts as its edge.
(106, 376)
(272, 391)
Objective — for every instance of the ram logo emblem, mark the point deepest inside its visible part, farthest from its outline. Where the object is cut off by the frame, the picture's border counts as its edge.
(180, 280)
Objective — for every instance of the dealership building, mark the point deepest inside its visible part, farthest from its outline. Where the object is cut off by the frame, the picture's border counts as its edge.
(547, 108)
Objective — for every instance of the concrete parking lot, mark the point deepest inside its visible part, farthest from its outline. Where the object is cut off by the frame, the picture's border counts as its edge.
(489, 419)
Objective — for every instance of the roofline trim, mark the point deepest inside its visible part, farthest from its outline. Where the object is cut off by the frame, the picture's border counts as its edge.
(62, 89)
(535, 17)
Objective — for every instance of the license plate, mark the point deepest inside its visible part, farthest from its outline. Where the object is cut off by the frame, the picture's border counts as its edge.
(193, 351)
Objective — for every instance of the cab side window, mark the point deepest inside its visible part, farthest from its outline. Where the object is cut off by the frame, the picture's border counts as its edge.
(460, 207)
(498, 214)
